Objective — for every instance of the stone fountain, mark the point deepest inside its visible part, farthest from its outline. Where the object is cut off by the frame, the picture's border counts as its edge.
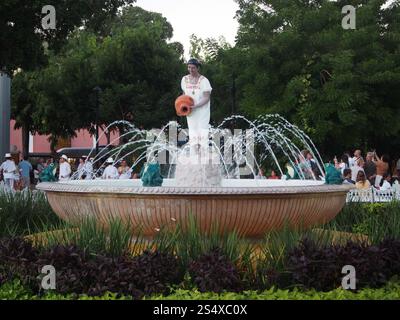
(207, 182)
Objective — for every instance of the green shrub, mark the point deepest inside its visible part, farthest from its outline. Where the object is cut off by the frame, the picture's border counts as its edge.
(15, 291)
(390, 292)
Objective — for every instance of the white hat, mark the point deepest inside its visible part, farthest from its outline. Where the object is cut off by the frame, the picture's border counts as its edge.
(110, 160)
(64, 157)
(8, 155)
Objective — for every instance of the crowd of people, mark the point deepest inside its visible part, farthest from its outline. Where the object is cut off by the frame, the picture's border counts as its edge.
(376, 171)
(373, 171)
(17, 176)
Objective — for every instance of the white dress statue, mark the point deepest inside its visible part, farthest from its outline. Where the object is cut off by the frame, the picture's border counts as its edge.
(201, 167)
(198, 87)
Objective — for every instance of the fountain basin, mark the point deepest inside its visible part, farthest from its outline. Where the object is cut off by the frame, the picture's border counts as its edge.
(249, 207)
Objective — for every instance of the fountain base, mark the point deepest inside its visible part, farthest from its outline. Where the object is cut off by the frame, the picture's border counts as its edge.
(249, 207)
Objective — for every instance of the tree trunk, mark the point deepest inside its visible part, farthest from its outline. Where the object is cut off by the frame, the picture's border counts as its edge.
(108, 136)
(53, 144)
(25, 140)
(122, 140)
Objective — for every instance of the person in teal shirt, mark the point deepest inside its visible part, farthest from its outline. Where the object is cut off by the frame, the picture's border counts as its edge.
(25, 168)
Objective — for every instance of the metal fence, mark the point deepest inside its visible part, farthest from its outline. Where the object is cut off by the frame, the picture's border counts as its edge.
(373, 195)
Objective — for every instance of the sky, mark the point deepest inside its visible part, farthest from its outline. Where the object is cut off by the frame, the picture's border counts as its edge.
(204, 18)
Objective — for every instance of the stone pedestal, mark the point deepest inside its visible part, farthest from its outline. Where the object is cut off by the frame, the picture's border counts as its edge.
(198, 167)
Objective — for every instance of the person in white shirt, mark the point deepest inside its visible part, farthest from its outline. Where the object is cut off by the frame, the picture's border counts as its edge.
(357, 156)
(9, 170)
(65, 169)
(358, 166)
(385, 185)
(110, 172)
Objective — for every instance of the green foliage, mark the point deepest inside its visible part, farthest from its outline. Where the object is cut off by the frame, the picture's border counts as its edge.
(301, 63)
(15, 291)
(132, 63)
(381, 221)
(24, 104)
(375, 220)
(269, 263)
(207, 50)
(189, 242)
(136, 17)
(22, 213)
(277, 244)
(351, 214)
(21, 21)
(389, 292)
(66, 85)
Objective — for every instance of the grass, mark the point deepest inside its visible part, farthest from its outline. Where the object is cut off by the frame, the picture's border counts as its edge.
(278, 243)
(375, 220)
(189, 242)
(114, 239)
(25, 212)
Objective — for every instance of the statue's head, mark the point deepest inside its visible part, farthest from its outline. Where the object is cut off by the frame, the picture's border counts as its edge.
(193, 65)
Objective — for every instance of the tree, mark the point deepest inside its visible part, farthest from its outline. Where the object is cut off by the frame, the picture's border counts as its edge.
(22, 35)
(338, 85)
(65, 99)
(25, 44)
(140, 74)
(136, 68)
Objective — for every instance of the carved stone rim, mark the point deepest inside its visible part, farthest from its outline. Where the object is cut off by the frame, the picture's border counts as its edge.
(69, 188)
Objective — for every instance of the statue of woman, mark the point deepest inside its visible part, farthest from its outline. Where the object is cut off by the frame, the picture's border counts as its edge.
(198, 87)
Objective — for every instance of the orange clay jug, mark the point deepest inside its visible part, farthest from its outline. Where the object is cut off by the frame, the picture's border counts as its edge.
(183, 105)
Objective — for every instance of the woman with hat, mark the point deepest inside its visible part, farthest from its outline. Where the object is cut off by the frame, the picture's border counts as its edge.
(198, 87)
(9, 170)
(65, 169)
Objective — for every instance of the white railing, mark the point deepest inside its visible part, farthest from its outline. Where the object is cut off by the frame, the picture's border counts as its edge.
(373, 195)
